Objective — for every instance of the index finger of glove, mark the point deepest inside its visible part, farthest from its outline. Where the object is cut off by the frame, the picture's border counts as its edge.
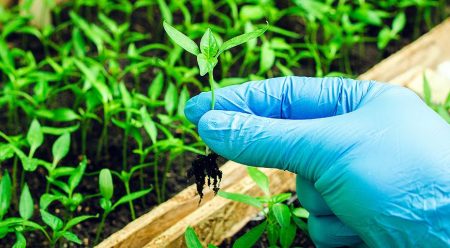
(284, 98)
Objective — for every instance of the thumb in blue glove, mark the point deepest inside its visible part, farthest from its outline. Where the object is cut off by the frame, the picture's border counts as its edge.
(372, 160)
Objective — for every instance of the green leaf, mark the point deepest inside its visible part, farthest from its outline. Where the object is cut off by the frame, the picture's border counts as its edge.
(149, 125)
(181, 39)
(126, 98)
(208, 44)
(29, 164)
(273, 233)
(131, 197)
(106, 184)
(287, 235)
(384, 36)
(260, 179)
(206, 64)
(184, 97)
(21, 242)
(249, 200)
(267, 58)
(426, 90)
(236, 41)
(46, 199)
(75, 221)
(26, 206)
(6, 152)
(61, 148)
(165, 11)
(280, 197)
(35, 137)
(5, 194)
(249, 239)
(282, 214)
(78, 173)
(155, 89)
(399, 23)
(170, 98)
(60, 130)
(52, 221)
(70, 236)
(191, 238)
(300, 212)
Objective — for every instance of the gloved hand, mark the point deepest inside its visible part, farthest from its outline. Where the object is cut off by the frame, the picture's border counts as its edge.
(372, 160)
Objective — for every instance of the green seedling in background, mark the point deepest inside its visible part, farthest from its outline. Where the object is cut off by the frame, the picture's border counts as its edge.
(107, 191)
(210, 49)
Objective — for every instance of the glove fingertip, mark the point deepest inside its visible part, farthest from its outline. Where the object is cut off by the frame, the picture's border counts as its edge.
(197, 106)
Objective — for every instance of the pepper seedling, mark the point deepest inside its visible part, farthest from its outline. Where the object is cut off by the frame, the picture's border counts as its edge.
(205, 166)
(209, 51)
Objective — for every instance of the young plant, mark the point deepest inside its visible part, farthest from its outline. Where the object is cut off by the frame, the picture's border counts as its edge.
(107, 191)
(205, 166)
(281, 221)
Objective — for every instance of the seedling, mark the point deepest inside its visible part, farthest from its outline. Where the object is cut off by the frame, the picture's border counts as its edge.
(207, 57)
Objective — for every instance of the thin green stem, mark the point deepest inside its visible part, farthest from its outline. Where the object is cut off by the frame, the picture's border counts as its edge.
(100, 227)
(155, 174)
(211, 85)
(130, 203)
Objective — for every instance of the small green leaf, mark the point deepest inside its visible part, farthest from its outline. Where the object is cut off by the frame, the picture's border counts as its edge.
(260, 179)
(75, 221)
(208, 44)
(184, 97)
(5, 194)
(205, 64)
(399, 23)
(267, 58)
(70, 236)
(287, 235)
(249, 200)
(149, 125)
(106, 184)
(191, 238)
(26, 203)
(52, 221)
(131, 197)
(300, 212)
(384, 37)
(61, 148)
(21, 242)
(35, 137)
(77, 174)
(280, 197)
(249, 239)
(155, 89)
(170, 98)
(273, 233)
(236, 41)
(165, 11)
(282, 214)
(126, 98)
(181, 39)
(47, 199)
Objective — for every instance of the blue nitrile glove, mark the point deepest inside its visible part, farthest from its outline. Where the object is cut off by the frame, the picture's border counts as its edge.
(373, 161)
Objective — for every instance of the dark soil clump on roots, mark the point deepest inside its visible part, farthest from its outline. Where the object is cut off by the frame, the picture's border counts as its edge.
(206, 170)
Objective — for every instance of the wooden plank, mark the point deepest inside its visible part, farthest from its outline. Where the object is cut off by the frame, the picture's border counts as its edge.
(143, 229)
(221, 218)
(427, 52)
(217, 218)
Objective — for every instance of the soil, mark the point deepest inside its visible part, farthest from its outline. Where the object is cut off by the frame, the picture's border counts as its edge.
(205, 169)
(177, 178)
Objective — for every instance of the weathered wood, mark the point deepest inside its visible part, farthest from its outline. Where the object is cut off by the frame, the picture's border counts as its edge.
(407, 66)
(167, 215)
(217, 218)
(220, 218)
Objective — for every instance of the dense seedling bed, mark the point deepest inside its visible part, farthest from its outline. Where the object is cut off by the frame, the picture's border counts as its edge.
(92, 131)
